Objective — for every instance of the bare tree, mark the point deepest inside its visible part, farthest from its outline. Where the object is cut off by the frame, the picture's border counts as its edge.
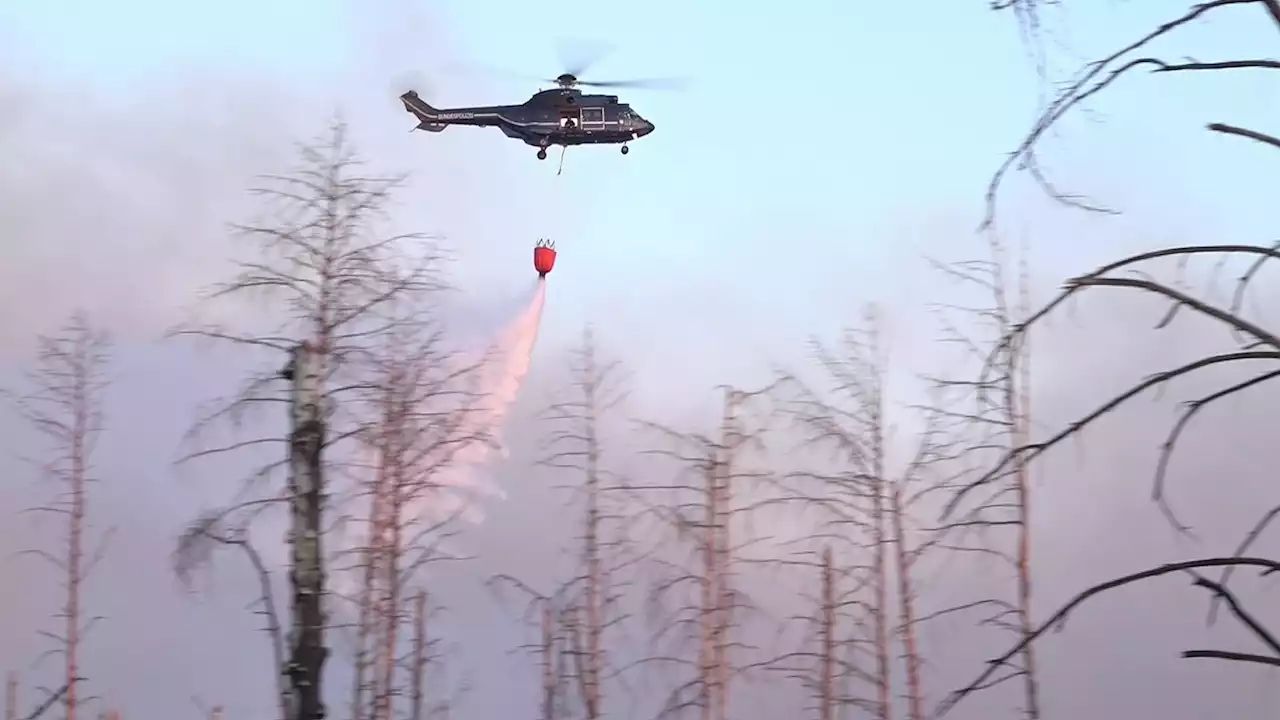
(868, 507)
(698, 599)
(991, 414)
(418, 671)
(194, 549)
(549, 618)
(65, 405)
(1099, 75)
(590, 602)
(550, 660)
(422, 406)
(1256, 345)
(575, 448)
(829, 657)
(1216, 590)
(324, 270)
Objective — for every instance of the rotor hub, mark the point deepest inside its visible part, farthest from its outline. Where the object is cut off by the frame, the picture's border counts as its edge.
(567, 80)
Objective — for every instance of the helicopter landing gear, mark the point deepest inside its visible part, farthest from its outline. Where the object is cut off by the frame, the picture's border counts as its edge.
(542, 153)
(625, 149)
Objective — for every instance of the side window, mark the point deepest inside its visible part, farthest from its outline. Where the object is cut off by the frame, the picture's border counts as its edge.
(593, 116)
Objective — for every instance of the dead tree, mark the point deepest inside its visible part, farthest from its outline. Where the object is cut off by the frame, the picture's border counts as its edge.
(548, 657)
(990, 414)
(1257, 345)
(868, 508)
(194, 550)
(576, 449)
(1257, 348)
(830, 655)
(697, 599)
(1097, 76)
(320, 274)
(52, 700)
(548, 619)
(65, 405)
(1218, 592)
(424, 408)
(418, 672)
(591, 600)
(307, 648)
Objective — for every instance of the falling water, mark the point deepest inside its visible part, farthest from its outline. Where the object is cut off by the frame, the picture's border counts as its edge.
(502, 379)
(467, 478)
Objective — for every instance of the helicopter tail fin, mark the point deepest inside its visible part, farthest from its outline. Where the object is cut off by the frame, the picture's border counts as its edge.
(418, 106)
(427, 115)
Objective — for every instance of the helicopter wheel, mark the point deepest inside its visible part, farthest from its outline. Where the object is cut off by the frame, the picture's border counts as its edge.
(542, 153)
(625, 149)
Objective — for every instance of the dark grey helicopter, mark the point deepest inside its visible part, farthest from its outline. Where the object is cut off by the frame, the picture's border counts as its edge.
(562, 116)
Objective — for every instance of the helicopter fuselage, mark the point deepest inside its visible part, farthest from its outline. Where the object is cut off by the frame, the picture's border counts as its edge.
(562, 116)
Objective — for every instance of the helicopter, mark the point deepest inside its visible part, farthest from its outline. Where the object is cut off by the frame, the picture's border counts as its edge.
(563, 116)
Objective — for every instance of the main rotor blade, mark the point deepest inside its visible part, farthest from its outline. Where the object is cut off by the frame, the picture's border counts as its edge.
(576, 55)
(648, 83)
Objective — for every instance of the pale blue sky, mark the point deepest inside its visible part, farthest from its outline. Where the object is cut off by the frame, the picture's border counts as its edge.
(814, 136)
(819, 150)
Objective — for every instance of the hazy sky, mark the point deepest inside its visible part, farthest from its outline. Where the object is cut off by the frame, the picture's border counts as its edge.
(821, 150)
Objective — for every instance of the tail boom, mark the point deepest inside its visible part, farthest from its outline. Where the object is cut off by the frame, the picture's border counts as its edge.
(428, 117)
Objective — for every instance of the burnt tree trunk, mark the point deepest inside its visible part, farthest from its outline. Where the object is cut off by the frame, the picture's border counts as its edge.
(306, 486)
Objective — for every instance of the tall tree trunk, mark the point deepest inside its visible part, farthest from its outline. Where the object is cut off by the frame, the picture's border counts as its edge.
(550, 670)
(390, 610)
(1020, 411)
(365, 623)
(906, 605)
(75, 544)
(827, 660)
(591, 551)
(717, 598)
(306, 664)
(419, 679)
(879, 537)
(706, 648)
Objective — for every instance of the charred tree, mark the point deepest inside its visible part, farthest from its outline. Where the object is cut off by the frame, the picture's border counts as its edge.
(65, 405)
(307, 648)
(327, 271)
